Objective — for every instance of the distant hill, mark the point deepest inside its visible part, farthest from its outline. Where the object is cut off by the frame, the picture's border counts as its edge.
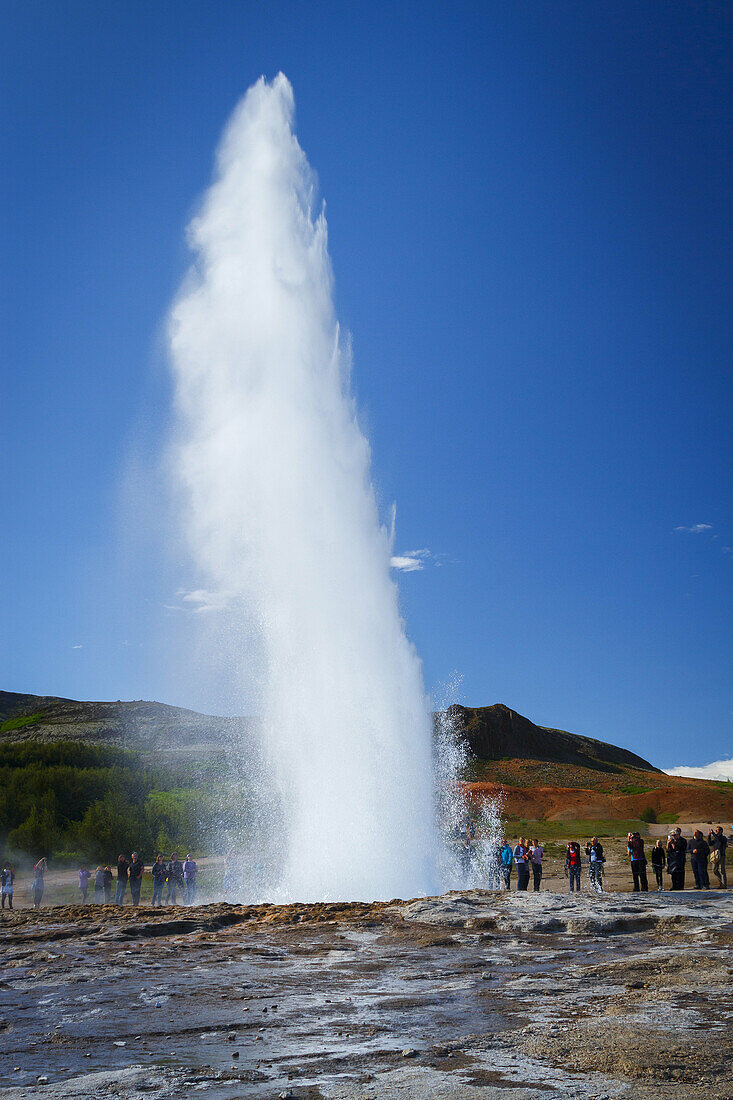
(541, 773)
(498, 733)
(549, 775)
(144, 727)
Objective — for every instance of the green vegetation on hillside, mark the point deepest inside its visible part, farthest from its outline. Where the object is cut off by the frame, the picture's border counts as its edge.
(573, 830)
(18, 723)
(71, 799)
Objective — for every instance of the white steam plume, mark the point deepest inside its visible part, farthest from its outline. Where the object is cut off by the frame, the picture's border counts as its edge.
(281, 515)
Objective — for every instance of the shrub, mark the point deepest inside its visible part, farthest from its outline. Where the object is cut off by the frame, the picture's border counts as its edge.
(112, 825)
(649, 815)
(38, 834)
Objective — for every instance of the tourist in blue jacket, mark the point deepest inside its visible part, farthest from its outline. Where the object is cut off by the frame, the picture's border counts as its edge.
(506, 858)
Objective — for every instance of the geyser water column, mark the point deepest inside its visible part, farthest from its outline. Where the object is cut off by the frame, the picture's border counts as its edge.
(281, 516)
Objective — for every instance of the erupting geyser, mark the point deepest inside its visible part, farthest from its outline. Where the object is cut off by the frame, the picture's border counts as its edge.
(282, 516)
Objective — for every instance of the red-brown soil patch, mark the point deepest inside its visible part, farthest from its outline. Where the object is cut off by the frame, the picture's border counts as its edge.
(535, 790)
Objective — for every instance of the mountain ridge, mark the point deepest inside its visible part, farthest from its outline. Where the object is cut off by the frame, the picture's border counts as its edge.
(492, 733)
(498, 732)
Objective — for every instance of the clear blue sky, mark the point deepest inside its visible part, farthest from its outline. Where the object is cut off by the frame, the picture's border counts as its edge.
(530, 224)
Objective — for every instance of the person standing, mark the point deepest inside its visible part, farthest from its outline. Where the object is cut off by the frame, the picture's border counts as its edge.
(135, 873)
(190, 869)
(699, 854)
(466, 833)
(536, 853)
(682, 847)
(594, 852)
(108, 880)
(506, 860)
(494, 869)
(99, 885)
(159, 872)
(573, 863)
(637, 857)
(719, 845)
(7, 880)
(175, 879)
(39, 874)
(84, 877)
(122, 875)
(659, 861)
(676, 857)
(521, 858)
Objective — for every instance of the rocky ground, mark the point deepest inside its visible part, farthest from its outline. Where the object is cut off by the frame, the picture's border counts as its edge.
(471, 995)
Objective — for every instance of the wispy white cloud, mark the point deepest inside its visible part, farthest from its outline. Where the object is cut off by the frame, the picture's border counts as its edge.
(719, 769)
(77, 647)
(695, 528)
(201, 600)
(411, 560)
(406, 564)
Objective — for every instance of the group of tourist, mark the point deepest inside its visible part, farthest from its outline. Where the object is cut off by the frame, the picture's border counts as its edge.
(704, 856)
(527, 855)
(173, 877)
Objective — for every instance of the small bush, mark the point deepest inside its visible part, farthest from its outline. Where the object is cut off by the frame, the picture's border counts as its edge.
(649, 815)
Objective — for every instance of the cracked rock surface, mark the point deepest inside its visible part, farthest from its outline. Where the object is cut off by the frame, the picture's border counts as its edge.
(470, 995)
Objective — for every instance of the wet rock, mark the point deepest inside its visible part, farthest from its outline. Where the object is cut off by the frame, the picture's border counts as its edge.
(578, 1019)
